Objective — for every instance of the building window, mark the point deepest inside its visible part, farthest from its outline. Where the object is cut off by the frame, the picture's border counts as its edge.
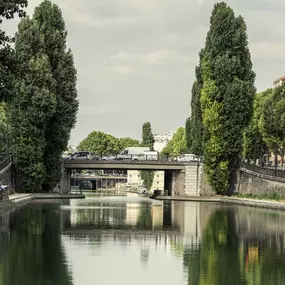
(138, 176)
(130, 175)
(157, 176)
(157, 182)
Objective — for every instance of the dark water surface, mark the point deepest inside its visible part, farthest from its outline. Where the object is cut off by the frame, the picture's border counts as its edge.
(137, 241)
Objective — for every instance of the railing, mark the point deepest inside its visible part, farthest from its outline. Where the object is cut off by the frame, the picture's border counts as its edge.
(4, 161)
(270, 171)
(133, 157)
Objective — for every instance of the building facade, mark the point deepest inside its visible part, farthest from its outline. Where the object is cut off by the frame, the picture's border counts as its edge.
(134, 180)
(160, 141)
(278, 82)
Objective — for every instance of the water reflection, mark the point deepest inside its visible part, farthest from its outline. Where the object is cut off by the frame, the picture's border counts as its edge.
(122, 240)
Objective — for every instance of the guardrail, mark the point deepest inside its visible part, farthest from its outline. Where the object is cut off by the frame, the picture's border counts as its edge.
(4, 161)
(270, 171)
(137, 158)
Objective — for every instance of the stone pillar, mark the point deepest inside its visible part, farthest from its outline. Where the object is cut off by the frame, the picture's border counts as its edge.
(66, 182)
(193, 175)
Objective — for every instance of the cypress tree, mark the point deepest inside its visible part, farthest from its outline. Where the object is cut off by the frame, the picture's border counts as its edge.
(147, 141)
(188, 134)
(196, 131)
(51, 25)
(226, 96)
(147, 136)
(31, 108)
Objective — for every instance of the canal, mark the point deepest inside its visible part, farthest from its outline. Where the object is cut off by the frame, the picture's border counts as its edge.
(134, 240)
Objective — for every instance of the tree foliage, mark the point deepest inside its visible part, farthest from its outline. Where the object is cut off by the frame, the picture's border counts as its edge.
(147, 176)
(8, 64)
(46, 102)
(272, 120)
(177, 145)
(50, 22)
(254, 145)
(227, 94)
(4, 129)
(147, 136)
(127, 142)
(102, 144)
(188, 134)
(31, 111)
(195, 133)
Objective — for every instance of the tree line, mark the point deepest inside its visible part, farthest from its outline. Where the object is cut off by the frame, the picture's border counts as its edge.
(38, 94)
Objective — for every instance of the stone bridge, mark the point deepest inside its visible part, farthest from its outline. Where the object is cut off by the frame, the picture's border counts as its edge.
(183, 178)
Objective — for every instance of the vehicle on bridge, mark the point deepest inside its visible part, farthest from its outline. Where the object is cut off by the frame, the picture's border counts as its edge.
(187, 158)
(132, 153)
(83, 155)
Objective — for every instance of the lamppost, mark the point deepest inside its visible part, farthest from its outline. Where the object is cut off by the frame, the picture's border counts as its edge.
(276, 136)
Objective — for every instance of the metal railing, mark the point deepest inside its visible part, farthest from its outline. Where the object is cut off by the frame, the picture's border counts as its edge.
(270, 171)
(132, 157)
(4, 161)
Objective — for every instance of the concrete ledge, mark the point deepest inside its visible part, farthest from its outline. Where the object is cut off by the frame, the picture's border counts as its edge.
(228, 200)
(17, 200)
(57, 196)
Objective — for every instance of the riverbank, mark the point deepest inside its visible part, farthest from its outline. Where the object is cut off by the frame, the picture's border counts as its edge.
(21, 199)
(227, 200)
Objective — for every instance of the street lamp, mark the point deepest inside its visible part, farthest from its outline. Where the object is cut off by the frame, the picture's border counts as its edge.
(276, 135)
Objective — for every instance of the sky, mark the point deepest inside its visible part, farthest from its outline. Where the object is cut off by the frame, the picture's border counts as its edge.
(136, 58)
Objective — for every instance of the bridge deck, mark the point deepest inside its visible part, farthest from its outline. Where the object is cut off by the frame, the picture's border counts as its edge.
(129, 165)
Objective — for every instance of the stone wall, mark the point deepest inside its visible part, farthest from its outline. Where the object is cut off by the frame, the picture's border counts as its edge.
(205, 189)
(259, 185)
(178, 183)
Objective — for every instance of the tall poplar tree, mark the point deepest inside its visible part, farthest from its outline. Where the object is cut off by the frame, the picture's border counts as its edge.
(196, 132)
(51, 25)
(147, 141)
(147, 136)
(227, 95)
(31, 108)
(188, 134)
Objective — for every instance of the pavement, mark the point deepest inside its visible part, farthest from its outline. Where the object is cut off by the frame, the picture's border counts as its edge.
(270, 204)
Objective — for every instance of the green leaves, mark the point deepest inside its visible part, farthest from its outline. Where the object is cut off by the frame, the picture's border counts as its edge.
(147, 176)
(45, 108)
(226, 95)
(177, 144)
(147, 136)
(104, 144)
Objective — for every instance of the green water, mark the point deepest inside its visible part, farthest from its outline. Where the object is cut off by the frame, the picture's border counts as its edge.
(137, 241)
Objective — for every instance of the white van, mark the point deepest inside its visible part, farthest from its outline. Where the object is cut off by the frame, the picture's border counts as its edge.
(150, 155)
(187, 158)
(133, 153)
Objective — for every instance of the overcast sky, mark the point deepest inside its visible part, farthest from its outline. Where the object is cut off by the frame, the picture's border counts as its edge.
(136, 58)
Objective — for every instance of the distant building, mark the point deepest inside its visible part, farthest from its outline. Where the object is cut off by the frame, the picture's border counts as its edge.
(160, 141)
(278, 82)
(135, 181)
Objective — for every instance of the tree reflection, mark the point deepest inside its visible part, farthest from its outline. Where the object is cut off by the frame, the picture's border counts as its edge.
(34, 254)
(228, 256)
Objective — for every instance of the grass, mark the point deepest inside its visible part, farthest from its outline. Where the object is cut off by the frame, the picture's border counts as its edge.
(271, 196)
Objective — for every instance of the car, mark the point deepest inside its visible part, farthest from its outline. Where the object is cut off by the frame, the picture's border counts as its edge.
(81, 155)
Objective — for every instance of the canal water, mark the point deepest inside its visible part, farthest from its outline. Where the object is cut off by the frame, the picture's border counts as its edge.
(133, 240)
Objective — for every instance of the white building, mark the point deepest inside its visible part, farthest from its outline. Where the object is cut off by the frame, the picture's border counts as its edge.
(278, 82)
(160, 141)
(135, 181)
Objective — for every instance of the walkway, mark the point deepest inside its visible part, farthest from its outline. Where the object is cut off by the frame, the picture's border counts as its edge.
(228, 200)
